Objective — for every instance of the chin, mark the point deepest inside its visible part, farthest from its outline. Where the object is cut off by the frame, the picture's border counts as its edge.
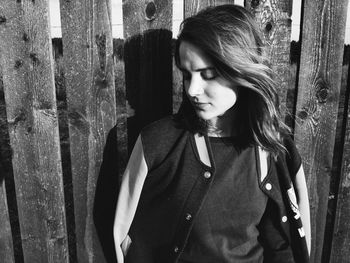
(205, 116)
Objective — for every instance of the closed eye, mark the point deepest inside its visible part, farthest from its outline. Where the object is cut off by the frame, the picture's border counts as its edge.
(209, 73)
(206, 73)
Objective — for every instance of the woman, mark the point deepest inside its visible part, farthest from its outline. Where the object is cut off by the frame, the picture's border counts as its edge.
(215, 183)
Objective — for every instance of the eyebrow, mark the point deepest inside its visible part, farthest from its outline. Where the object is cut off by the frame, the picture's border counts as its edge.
(198, 69)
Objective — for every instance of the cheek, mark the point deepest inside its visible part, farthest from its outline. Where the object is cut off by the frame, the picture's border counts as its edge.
(233, 95)
(226, 95)
(234, 98)
(231, 99)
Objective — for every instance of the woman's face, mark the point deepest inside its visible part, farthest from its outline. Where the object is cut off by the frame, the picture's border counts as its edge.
(211, 95)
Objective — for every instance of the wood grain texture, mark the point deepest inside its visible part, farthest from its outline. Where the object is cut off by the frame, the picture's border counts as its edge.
(139, 16)
(317, 104)
(341, 233)
(27, 65)
(89, 74)
(336, 167)
(191, 7)
(274, 20)
(148, 62)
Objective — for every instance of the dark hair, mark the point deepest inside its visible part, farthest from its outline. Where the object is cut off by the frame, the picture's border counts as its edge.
(229, 36)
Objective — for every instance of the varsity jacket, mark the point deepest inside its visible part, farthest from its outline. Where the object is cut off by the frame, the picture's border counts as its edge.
(166, 182)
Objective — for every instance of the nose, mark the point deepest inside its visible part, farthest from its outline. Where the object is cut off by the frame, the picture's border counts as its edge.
(195, 86)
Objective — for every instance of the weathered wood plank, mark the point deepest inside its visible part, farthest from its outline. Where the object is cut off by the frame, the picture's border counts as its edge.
(139, 16)
(27, 65)
(317, 104)
(341, 233)
(274, 19)
(148, 61)
(89, 74)
(192, 7)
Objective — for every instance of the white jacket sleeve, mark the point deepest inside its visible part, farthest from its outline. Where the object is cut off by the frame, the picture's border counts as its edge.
(304, 207)
(129, 195)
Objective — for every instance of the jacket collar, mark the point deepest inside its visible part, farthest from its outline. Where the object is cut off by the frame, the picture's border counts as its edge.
(202, 147)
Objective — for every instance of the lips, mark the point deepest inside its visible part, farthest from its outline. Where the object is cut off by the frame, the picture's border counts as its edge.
(200, 105)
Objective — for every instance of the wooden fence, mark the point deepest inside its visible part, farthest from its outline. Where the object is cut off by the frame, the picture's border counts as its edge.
(47, 189)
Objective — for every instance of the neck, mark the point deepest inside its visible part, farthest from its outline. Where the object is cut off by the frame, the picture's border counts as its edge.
(223, 126)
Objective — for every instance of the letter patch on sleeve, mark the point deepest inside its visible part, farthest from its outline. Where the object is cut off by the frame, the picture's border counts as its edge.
(293, 202)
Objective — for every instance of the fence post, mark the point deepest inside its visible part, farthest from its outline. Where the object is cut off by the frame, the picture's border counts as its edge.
(27, 66)
(89, 74)
(317, 104)
(274, 19)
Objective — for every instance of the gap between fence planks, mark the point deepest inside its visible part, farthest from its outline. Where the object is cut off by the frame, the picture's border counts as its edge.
(6, 241)
(317, 104)
(89, 74)
(27, 66)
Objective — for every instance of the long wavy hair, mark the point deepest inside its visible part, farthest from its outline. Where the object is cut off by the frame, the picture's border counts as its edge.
(229, 36)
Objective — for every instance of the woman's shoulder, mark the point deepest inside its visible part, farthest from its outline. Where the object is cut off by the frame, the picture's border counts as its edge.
(291, 156)
(160, 137)
(165, 127)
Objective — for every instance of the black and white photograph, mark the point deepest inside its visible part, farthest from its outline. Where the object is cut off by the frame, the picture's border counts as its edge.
(174, 131)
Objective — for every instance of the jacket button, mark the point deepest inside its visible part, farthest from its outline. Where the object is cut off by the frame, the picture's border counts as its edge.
(176, 249)
(268, 186)
(188, 217)
(284, 219)
(207, 175)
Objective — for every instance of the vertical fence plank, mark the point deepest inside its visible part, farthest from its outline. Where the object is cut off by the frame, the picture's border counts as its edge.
(27, 65)
(317, 104)
(274, 19)
(87, 52)
(148, 61)
(341, 233)
(192, 7)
